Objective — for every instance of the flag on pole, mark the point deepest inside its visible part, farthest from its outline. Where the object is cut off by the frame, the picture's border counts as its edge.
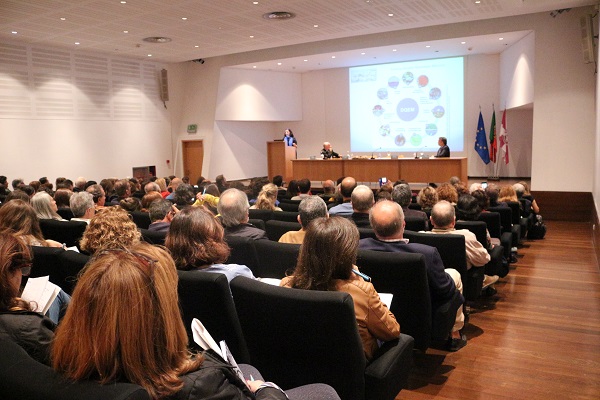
(481, 146)
(493, 141)
(503, 138)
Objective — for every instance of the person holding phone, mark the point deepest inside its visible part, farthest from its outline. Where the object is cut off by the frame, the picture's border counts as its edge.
(289, 139)
(326, 263)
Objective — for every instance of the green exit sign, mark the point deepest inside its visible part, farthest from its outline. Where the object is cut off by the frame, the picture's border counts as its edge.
(193, 128)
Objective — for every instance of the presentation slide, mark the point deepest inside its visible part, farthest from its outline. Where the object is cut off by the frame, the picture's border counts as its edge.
(405, 107)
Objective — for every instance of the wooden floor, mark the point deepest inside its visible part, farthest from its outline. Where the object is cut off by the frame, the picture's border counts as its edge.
(538, 338)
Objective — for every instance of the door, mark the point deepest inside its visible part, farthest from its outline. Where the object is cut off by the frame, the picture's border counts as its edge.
(193, 155)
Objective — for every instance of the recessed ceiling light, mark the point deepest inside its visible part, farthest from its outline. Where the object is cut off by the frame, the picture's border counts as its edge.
(390, 15)
(463, 42)
(255, 2)
(14, 32)
(278, 15)
(278, 63)
(332, 56)
(305, 60)
(123, 2)
(251, 36)
(63, 19)
(478, 2)
(428, 46)
(394, 50)
(149, 55)
(125, 31)
(315, 26)
(157, 39)
(196, 46)
(362, 54)
(184, 18)
(501, 38)
(254, 66)
(76, 42)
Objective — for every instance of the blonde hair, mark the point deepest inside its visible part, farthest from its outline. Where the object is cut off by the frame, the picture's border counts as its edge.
(266, 198)
(123, 323)
(110, 228)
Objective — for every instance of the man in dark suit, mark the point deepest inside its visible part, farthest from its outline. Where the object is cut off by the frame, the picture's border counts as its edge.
(387, 220)
(327, 151)
(444, 150)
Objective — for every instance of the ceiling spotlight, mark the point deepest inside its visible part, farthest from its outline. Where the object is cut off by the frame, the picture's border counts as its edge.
(463, 42)
(196, 46)
(315, 26)
(254, 66)
(428, 46)
(362, 54)
(184, 18)
(394, 50)
(278, 63)
(157, 39)
(77, 43)
(125, 31)
(278, 15)
(63, 19)
(123, 2)
(255, 3)
(251, 36)
(390, 15)
(149, 55)
(305, 60)
(14, 32)
(332, 56)
(501, 38)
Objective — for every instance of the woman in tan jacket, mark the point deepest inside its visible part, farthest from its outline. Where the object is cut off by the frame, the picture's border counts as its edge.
(326, 263)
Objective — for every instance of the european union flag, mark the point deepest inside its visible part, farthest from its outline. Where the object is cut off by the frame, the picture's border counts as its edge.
(481, 146)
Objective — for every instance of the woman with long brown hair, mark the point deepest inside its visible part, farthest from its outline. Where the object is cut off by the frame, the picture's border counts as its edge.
(18, 217)
(18, 322)
(195, 240)
(124, 324)
(326, 263)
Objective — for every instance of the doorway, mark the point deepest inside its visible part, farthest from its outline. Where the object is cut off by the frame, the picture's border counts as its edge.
(193, 156)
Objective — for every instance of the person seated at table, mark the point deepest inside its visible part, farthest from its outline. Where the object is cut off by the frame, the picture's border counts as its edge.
(444, 150)
(326, 263)
(327, 151)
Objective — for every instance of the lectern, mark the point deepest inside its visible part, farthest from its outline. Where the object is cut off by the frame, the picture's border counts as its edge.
(279, 159)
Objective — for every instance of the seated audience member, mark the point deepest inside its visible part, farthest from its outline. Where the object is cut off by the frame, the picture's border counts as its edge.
(292, 189)
(98, 195)
(184, 196)
(403, 196)
(328, 190)
(175, 182)
(110, 228)
(362, 199)
(221, 182)
(507, 193)
(444, 150)
(79, 184)
(256, 185)
(443, 219)
(209, 198)
(527, 195)
(148, 199)
(233, 207)
(82, 206)
(461, 189)
(136, 188)
(185, 179)
(162, 184)
(303, 189)
(195, 240)
(90, 183)
(18, 217)
(278, 181)
(525, 204)
(61, 197)
(45, 206)
(311, 208)
(447, 192)
(387, 220)
(482, 199)
(492, 193)
(30, 190)
(161, 214)
(151, 187)
(266, 198)
(17, 194)
(426, 198)
(134, 333)
(131, 204)
(35, 185)
(475, 186)
(18, 322)
(108, 186)
(17, 183)
(4, 191)
(345, 208)
(325, 263)
(122, 191)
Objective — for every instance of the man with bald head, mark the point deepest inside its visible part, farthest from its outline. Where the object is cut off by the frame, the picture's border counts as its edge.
(362, 199)
(346, 188)
(175, 182)
(387, 220)
(328, 152)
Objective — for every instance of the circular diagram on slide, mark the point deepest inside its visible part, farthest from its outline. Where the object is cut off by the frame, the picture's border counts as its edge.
(407, 78)
(382, 94)
(393, 82)
(416, 139)
(407, 109)
(384, 130)
(423, 80)
(438, 111)
(431, 129)
(400, 140)
(435, 93)
(378, 110)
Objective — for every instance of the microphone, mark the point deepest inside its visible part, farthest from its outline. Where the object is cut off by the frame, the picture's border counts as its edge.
(372, 154)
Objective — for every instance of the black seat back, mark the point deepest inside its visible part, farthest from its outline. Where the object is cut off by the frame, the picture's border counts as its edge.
(290, 216)
(67, 232)
(141, 219)
(153, 237)
(276, 229)
(275, 260)
(265, 215)
(243, 251)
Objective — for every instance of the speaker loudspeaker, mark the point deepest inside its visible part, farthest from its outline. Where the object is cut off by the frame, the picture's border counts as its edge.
(164, 85)
(587, 38)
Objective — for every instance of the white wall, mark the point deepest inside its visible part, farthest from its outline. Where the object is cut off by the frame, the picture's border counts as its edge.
(517, 65)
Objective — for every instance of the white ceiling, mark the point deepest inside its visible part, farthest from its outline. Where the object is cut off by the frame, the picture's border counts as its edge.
(220, 27)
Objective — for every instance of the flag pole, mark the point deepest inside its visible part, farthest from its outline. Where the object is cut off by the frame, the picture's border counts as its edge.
(494, 176)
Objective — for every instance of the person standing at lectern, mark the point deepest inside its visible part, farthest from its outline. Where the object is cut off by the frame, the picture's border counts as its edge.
(328, 152)
(289, 138)
(444, 150)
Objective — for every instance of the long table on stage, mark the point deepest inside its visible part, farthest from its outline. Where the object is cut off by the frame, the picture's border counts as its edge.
(366, 170)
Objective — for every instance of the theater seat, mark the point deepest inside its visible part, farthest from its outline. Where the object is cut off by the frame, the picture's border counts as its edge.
(23, 378)
(297, 337)
(67, 232)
